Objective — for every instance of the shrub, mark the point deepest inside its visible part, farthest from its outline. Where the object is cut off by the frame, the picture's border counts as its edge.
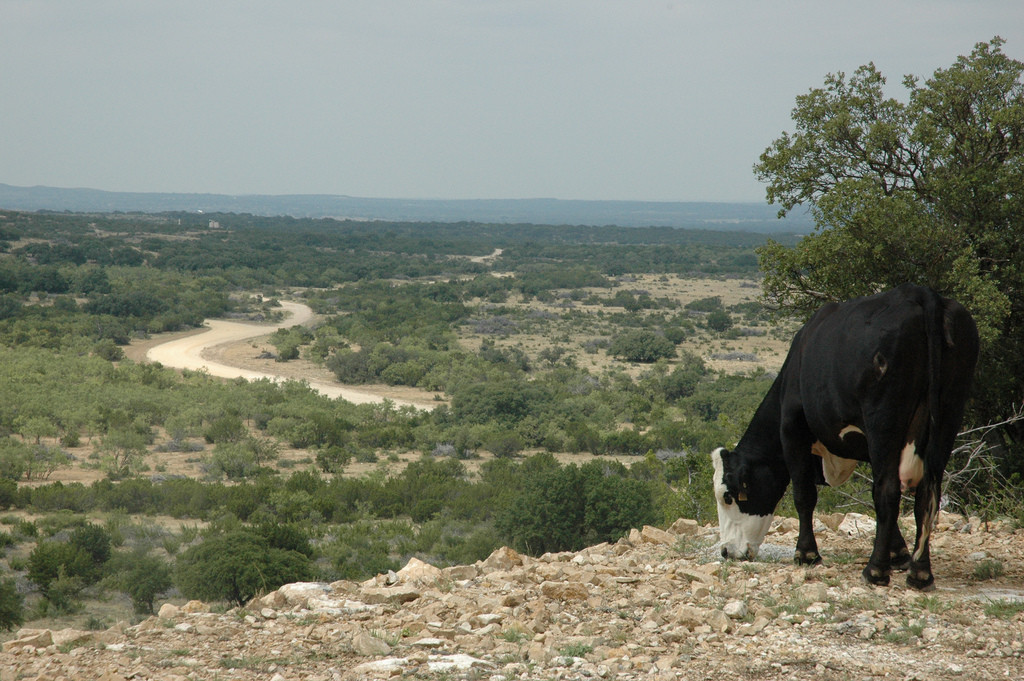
(710, 304)
(334, 458)
(555, 508)
(12, 608)
(143, 577)
(63, 591)
(51, 560)
(237, 566)
(8, 493)
(227, 428)
(719, 320)
(642, 346)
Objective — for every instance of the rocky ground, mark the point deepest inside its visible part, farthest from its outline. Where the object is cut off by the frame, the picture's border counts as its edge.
(657, 605)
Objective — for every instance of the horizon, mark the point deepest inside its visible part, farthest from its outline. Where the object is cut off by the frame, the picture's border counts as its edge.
(459, 100)
(713, 215)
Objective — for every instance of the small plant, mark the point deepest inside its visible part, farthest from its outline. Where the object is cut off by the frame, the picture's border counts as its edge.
(513, 635)
(94, 623)
(1004, 609)
(241, 662)
(933, 604)
(988, 569)
(391, 639)
(906, 633)
(576, 650)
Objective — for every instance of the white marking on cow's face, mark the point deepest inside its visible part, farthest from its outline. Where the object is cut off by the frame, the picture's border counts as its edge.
(741, 533)
(911, 467)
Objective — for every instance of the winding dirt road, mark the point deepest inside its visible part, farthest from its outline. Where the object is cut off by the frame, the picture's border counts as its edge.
(188, 353)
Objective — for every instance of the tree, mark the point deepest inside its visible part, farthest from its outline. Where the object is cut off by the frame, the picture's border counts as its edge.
(12, 608)
(719, 320)
(237, 566)
(642, 346)
(926, 191)
(143, 577)
(124, 450)
(53, 560)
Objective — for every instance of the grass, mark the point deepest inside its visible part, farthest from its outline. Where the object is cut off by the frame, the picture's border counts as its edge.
(988, 569)
(391, 639)
(513, 635)
(906, 633)
(1004, 609)
(933, 604)
(576, 650)
(243, 662)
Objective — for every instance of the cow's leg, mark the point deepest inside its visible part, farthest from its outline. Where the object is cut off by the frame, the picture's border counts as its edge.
(899, 554)
(886, 492)
(802, 466)
(805, 498)
(926, 508)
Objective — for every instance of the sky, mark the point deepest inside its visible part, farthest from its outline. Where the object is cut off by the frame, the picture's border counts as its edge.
(668, 100)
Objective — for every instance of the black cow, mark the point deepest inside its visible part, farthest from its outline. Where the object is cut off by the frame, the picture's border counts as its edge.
(881, 379)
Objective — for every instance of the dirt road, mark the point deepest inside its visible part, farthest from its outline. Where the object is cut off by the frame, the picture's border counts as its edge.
(195, 352)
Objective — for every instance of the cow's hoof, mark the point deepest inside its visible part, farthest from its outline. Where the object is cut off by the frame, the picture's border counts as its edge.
(922, 581)
(900, 561)
(875, 577)
(808, 558)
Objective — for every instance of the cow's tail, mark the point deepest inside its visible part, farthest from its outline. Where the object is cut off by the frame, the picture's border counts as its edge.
(937, 337)
(952, 338)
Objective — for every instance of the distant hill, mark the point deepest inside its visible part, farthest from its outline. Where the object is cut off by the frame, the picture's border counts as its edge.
(749, 217)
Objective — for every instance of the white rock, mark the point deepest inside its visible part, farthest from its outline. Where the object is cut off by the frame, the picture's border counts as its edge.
(685, 527)
(653, 535)
(366, 644)
(380, 668)
(299, 592)
(814, 592)
(419, 571)
(736, 610)
(460, 662)
(168, 611)
(857, 525)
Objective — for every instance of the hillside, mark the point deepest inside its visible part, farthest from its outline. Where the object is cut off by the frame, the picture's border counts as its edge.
(751, 217)
(657, 605)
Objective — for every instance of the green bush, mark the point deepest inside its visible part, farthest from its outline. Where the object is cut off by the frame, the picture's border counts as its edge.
(555, 508)
(12, 608)
(143, 577)
(237, 566)
(719, 320)
(641, 346)
(51, 560)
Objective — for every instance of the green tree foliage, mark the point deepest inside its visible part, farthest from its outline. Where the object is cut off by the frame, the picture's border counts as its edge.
(51, 560)
(642, 345)
(288, 342)
(556, 508)
(506, 402)
(236, 566)
(142, 576)
(926, 191)
(719, 320)
(12, 606)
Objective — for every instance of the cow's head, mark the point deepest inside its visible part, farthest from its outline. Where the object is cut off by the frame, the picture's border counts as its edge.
(743, 514)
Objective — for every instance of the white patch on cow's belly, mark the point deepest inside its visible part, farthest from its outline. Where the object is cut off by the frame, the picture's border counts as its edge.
(911, 467)
(837, 470)
(850, 429)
